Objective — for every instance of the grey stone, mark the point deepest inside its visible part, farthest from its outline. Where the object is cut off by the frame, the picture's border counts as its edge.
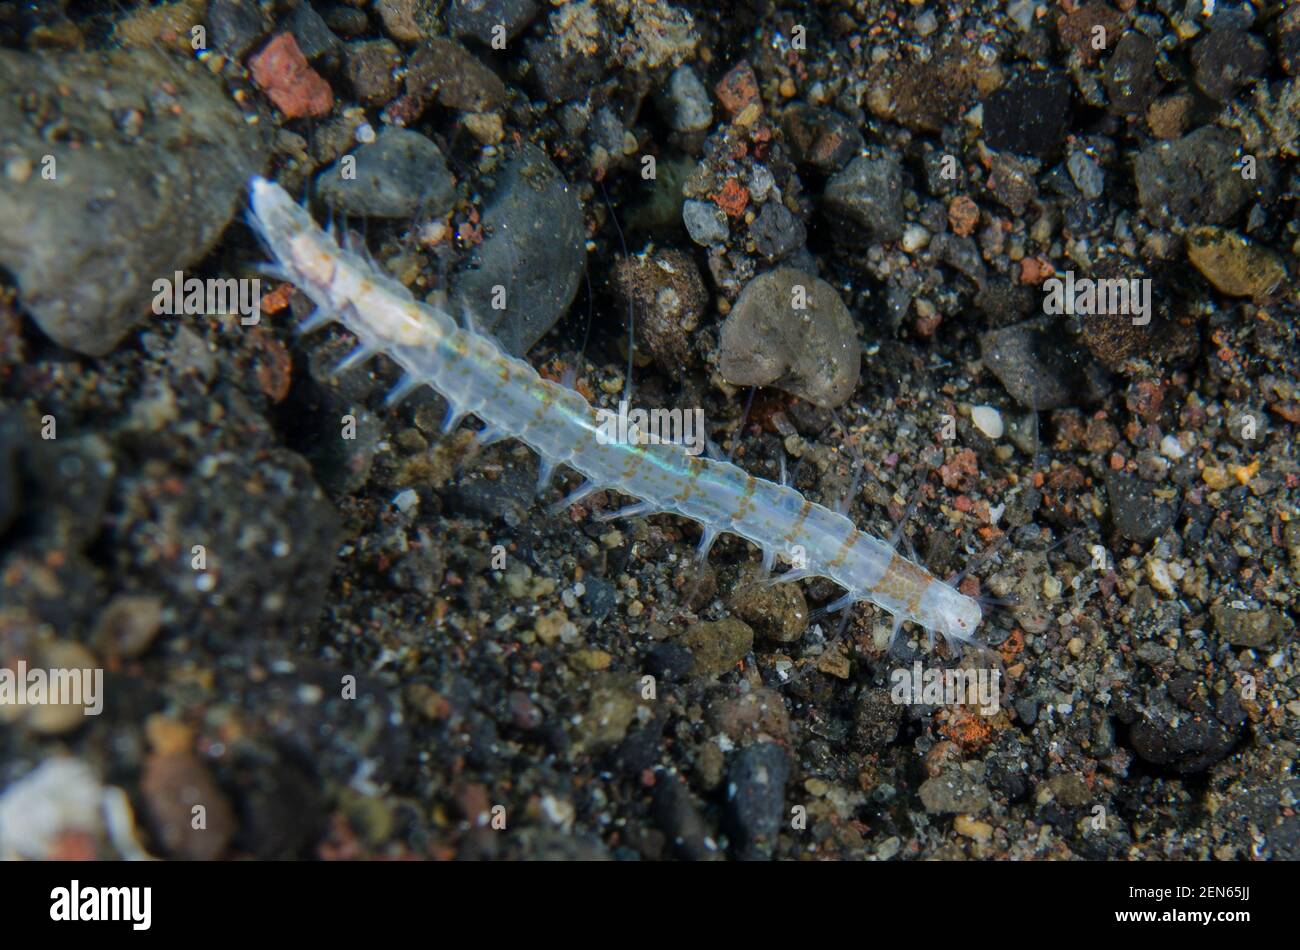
(1087, 174)
(685, 103)
(154, 181)
(777, 232)
(398, 175)
(235, 25)
(1038, 366)
(535, 249)
(705, 222)
(954, 792)
(869, 194)
(756, 799)
(811, 351)
(476, 19)
(1194, 179)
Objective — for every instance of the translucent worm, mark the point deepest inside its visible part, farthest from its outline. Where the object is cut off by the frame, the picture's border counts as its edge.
(477, 377)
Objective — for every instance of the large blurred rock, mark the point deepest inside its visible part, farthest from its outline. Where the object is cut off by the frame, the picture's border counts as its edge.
(149, 158)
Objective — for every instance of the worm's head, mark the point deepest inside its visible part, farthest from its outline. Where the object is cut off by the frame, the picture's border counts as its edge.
(952, 613)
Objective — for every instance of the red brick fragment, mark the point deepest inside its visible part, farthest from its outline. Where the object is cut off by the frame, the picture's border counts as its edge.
(282, 72)
(738, 88)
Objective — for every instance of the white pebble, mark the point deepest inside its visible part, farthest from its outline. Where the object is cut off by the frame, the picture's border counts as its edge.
(915, 237)
(988, 420)
(406, 499)
(1171, 448)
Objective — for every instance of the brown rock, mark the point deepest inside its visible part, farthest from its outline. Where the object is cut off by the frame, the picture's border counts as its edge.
(738, 89)
(445, 70)
(777, 612)
(1234, 265)
(718, 647)
(1079, 30)
(758, 715)
(668, 296)
(188, 812)
(1168, 115)
(371, 68)
(128, 625)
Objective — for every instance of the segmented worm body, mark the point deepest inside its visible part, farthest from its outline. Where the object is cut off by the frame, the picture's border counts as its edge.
(477, 377)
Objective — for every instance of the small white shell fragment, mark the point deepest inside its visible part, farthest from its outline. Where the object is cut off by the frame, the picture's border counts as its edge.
(1160, 576)
(406, 499)
(988, 420)
(915, 237)
(1171, 448)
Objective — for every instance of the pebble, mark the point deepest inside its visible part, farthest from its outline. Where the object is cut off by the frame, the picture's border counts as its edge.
(1178, 729)
(915, 237)
(445, 70)
(1012, 181)
(85, 254)
(56, 719)
(60, 796)
(738, 89)
(1192, 178)
(1160, 578)
(868, 193)
(777, 612)
(313, 36)
(1131, 78)
(756, 715)
(1087, 174)
(371, 67)
(972, 828)
(398, 175)
(1237, 267)
(988, 420)
(568, 58)
(172, 787)
(812, 352)
(408, 21)
(717, 647)
(756, 784)
(705, 222)
(282, 72)
(685, 102)
(1224, 60)
(1036, 366)
(667, 294)
(128, 625)
(235, 25)
(820, 138)
(610, 711)
(669, 662)
(876, 720)
(536, 249)
(478, 18)
(1249, 628)
(1029, 114)
(1168, 115)
(777, 233)
(953, 792)
(1134, 510)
